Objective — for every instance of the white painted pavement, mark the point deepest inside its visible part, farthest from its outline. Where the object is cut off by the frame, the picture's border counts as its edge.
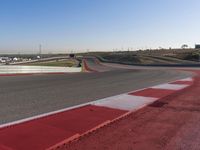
(168, 86)
(12, 69)
(125, 102)
(187, 79)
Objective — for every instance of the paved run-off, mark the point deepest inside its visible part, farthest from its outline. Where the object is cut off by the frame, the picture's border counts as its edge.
(171, 123)
(45, 132)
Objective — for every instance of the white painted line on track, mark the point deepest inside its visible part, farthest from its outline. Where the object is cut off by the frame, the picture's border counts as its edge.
(170, 86)
(187, 79)
(42, 115)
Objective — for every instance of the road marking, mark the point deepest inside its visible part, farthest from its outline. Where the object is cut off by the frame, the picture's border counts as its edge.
(168, 86)
(125, 102)
(187, 79)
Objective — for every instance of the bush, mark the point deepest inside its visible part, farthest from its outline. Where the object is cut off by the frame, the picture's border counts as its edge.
(193, 56)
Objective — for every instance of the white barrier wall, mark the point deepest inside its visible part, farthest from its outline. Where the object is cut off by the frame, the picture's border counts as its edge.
(36, 69)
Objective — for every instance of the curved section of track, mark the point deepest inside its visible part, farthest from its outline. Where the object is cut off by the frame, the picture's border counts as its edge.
(92, 64)
(26, 96)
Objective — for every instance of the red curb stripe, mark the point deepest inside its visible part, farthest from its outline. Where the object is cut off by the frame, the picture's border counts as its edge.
(3, 147)
(182, 82)
(45, 132)
(157, 93)
(87, 68)
(76, 137)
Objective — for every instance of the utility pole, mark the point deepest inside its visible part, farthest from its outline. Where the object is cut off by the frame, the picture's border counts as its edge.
(40, 50)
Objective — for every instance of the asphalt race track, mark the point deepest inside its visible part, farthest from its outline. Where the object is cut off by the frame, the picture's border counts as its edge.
(30, 95)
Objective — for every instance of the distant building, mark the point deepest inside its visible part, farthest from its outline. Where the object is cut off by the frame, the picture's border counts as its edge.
(15, 59)
(72, 55)
(197, 46)
(4, 59)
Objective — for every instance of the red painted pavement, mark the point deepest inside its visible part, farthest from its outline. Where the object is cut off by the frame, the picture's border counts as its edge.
(173, 126)
(87, 68)
(157, 93)
(45, 132)
(182, 82)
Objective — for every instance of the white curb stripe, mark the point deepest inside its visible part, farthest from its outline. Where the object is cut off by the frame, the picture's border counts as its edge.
(170, 86)
(126, 102)
(186, 79)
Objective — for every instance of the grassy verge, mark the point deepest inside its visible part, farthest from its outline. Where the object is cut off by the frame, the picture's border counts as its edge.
(58, 63)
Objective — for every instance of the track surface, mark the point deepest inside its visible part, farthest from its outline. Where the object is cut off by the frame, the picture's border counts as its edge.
(26, 96)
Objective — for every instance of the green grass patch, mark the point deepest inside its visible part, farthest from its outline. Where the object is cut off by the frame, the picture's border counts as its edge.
(61, 63)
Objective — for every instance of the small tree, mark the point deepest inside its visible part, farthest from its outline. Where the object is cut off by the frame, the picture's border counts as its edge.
(184, 46)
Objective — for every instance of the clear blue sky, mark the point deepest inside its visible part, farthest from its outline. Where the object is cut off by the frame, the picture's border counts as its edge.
(63, 25)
